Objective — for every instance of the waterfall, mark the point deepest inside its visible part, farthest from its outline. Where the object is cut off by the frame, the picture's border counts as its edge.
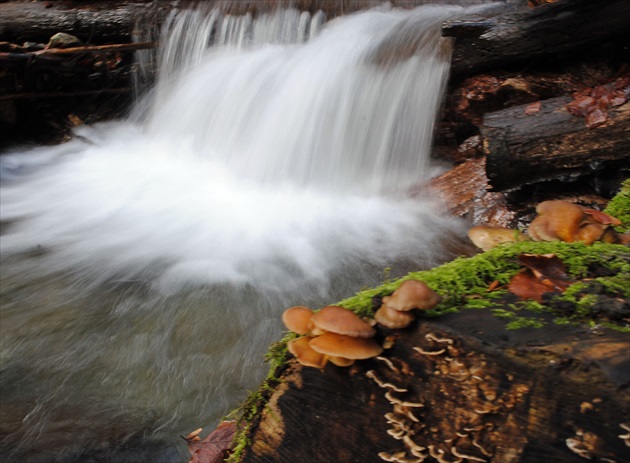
(147, 261)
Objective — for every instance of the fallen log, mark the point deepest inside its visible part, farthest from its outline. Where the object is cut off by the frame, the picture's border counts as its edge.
(70, 94)
(532, 143)
(92, 22)
(517, 36)
(459, 388)
(463, 191)
(115, 20)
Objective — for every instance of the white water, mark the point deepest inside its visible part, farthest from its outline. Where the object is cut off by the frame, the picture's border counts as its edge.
(148, 260)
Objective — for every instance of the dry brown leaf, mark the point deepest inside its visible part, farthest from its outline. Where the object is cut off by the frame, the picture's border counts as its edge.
(533, 108)
(214, 448)
(602, 217)
(544, 273)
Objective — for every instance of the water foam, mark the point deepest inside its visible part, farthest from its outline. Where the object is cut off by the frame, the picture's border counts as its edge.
(264, 164)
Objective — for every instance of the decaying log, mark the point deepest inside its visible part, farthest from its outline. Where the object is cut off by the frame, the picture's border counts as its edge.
(490, 41)
(91, 22)
(527, 144)
(463, 190)
(458, 389)
(114, 20)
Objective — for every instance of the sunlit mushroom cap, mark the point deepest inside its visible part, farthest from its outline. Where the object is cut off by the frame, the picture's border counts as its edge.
(393, 319)
(349, 347)
(413, 294)
(298, 319)
(305, 354)
(338, 320)
(486, 238)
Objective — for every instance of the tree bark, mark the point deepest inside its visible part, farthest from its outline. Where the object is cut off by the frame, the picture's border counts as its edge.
(494, 40)
(524, 147)
(474, 390)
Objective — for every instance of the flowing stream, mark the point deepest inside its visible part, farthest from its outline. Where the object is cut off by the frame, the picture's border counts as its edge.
(146, 263)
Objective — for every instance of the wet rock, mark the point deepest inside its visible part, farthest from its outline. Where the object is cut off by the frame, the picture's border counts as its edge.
(63, 40)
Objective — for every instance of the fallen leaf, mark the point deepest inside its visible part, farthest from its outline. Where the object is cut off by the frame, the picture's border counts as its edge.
(581, 105)
(533, 108)
(596, 117)
(214, 448)
(544, 273)
(493, 286)
(602, 217)
(526, 286)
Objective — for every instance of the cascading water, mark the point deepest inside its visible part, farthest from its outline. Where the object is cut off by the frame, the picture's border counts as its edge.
(146, 263)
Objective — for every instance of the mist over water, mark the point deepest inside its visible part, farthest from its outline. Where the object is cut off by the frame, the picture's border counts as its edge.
(146, 262)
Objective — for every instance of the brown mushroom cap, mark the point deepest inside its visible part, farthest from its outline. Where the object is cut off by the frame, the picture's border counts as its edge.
(338, 320)
(557, 220)
(305, 354)
(486, 238)
(413, 294)
(298, 319)
(590, 232)
(349, 347)
(393, 319)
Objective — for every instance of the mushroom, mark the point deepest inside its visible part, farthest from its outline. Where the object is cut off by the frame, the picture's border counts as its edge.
(298, 319)
(589, 232)
(340, 361)
(557, 220)
(393, 319)
(338, 320)
(305, 354)
(349, 347)
(413, 294)
(486, 238)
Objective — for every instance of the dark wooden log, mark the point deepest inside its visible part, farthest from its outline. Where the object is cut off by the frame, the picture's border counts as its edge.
(91, 22)
(527, 144)
(114, 20)
(474, 389)
(498, 39)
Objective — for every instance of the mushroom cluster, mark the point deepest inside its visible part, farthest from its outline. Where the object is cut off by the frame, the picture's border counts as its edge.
(332, 334)
(395, 312)
(557, 220)
(564, 221)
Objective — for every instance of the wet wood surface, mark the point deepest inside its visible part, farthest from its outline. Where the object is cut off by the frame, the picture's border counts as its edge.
(467, 390)
(517, 34)
(525, 147)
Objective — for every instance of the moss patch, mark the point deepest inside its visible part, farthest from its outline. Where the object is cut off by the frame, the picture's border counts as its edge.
(464, 282)
(619, 207)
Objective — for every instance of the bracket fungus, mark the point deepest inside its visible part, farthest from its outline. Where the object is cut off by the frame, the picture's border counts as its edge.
(411, 294)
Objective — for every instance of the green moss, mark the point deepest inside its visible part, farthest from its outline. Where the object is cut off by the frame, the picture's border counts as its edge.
(525, 322)
(619, 206)
(463, 283)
